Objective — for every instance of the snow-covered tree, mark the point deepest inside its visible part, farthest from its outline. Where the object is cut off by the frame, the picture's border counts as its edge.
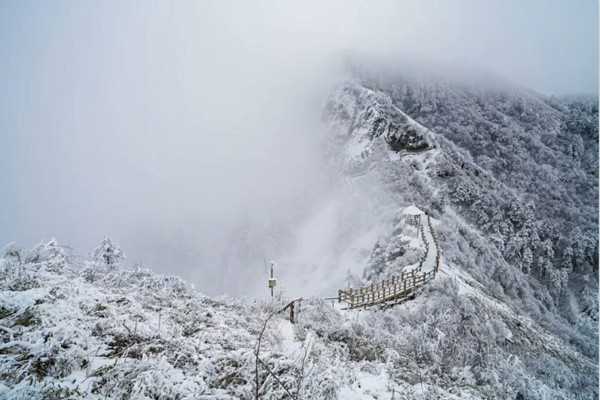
(108, 254)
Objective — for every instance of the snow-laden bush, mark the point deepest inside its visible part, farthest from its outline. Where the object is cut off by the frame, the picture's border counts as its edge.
(144, 379)
(106, 258)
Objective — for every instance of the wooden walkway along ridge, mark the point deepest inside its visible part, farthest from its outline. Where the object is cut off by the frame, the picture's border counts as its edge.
(398, 288)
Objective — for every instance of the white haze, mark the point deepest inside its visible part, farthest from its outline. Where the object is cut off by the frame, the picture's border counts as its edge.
(189, 131)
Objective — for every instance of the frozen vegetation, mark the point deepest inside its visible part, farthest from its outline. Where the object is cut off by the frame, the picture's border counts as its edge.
(509, 178)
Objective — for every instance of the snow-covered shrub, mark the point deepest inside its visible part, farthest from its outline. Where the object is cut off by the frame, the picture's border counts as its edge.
(108, 253)
(106, 259)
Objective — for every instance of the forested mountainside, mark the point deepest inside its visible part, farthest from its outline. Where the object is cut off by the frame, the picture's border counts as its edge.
(511, 175)
(509, 178)
(521, 169)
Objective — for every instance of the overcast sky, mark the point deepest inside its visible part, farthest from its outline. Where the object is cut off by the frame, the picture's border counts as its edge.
(167, 124)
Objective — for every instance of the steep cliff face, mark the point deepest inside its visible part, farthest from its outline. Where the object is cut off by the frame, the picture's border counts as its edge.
(362, 118)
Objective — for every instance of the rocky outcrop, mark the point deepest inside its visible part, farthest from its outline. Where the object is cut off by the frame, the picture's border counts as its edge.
(362, 118)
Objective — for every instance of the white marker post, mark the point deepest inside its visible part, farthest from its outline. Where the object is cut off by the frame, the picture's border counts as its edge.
(272, 280)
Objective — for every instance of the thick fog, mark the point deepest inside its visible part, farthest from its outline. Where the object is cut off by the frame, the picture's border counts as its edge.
(190, 132)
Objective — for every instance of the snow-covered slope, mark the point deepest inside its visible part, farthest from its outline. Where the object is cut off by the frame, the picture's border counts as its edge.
(96, 331)
(85, 330)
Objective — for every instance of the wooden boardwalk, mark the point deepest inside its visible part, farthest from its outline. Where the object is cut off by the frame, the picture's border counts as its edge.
(404, 286)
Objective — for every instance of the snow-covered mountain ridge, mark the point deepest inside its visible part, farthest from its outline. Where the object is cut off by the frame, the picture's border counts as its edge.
(512, 181)
(539, 216)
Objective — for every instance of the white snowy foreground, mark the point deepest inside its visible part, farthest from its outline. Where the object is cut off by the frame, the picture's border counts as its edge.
(93, 330)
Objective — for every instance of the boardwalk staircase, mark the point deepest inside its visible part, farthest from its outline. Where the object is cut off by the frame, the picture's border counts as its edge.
(405, 286)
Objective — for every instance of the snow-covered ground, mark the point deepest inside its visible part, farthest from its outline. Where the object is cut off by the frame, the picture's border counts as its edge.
(96, 331)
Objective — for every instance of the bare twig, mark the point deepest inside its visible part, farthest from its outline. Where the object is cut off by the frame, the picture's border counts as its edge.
(159, 315)
(276, 378)
(127, 328)
(259, 361)
(301, 378)
(418, 368)
(257, 352)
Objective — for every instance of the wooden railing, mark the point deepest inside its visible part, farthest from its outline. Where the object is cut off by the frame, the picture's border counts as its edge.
(394, 289)
(425, 242)
(435, 244)
(398, 288)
